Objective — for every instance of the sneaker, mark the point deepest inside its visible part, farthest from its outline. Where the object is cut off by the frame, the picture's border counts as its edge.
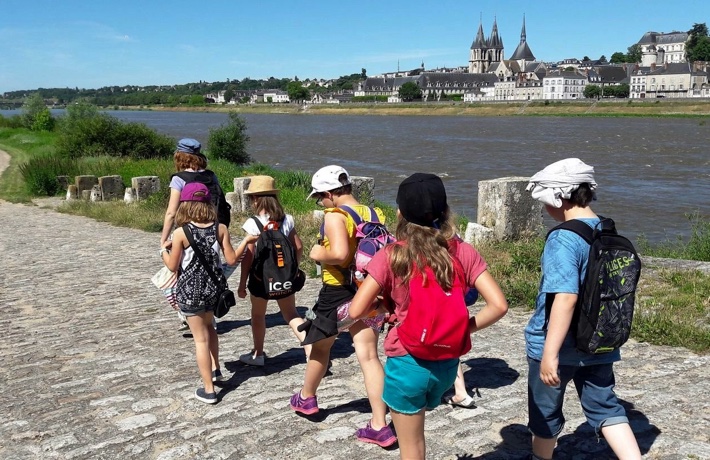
(207, 398)
(251, 360)
(217, 376)
(184, 327)
(306, 406)
(384, 437)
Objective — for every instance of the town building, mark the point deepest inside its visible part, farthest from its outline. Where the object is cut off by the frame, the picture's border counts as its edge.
(661, 48)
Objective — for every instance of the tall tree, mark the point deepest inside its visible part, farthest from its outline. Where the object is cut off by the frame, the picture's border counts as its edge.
(697, 48)
(633, 53)
(409, 91)
(296, 91)
(618, 58)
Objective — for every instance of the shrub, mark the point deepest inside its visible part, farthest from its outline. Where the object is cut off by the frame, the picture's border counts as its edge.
(35, 114)
(229, 141)
(40, 174)
(14, 121)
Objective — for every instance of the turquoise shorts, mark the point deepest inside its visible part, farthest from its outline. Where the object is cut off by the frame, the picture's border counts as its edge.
(413, 384)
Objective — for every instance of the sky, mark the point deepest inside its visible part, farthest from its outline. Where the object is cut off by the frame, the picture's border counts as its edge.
(90, 44)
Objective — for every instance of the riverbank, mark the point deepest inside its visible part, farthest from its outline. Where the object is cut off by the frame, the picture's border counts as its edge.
(608, 108)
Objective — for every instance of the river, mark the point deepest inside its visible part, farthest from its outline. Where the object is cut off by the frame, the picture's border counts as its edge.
(652, 172)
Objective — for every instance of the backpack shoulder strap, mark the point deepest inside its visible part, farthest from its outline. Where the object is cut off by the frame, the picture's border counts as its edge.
(355, 216)
(259, 225)
(578, 227)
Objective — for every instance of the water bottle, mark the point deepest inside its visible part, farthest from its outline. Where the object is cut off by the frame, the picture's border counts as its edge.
(359, 278)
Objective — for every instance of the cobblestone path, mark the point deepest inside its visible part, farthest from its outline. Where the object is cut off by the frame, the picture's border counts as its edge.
(93, 366)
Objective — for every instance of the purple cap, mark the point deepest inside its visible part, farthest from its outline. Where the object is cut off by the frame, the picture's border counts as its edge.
(195, 191)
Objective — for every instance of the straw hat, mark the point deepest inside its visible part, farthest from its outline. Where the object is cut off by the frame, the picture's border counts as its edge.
(261, 185)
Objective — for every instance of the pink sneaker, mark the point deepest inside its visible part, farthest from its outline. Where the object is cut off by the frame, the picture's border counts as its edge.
(384, 437)
(306, 406)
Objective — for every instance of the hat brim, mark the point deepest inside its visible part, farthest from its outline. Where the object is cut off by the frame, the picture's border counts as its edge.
(274, 191)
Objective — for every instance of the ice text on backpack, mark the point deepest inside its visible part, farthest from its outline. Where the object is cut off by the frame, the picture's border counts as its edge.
(275, 264)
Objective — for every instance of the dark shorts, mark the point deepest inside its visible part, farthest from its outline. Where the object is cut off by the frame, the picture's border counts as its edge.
(325, 323)
(595, 388)
(190, 310)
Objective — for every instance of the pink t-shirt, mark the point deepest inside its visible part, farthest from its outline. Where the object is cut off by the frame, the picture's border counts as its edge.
(380, 270)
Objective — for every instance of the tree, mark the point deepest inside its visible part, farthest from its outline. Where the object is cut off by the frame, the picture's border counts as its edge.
(363, 73)
(228, 95)
(229, 141)
(602, 58)
(618, 58)
(410, 91)
(592, 91)
(633, 53)
(35, 114)
(296, 91)
(697, 48)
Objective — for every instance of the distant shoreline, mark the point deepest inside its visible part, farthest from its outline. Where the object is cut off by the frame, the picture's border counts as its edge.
(620, 108)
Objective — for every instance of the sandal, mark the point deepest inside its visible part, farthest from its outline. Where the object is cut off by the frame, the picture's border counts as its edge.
(467, 403)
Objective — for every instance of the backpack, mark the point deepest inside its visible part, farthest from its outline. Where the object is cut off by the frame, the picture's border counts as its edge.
(207, 177)
(605, 305)
(275, 263)
(371, 236)
(436, 325)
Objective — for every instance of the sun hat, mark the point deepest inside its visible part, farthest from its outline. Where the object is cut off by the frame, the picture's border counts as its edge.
(188, 145)
(195, 191)
(421, 199)
(559, 179)
(327, 179)
(261, 185)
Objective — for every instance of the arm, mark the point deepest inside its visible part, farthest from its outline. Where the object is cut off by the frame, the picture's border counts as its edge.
(173, 258)
(496, 306)
(170, 215)
(226, 244)
(557, 327)
(297, 245)
(365, 298)
(245, 268)
(337, 232)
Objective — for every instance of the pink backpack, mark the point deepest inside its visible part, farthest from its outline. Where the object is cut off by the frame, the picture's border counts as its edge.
(436, 325)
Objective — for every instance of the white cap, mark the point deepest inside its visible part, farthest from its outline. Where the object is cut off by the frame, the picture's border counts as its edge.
(326, 179)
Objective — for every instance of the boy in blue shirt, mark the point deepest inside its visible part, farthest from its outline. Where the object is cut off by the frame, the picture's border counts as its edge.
(566, 188)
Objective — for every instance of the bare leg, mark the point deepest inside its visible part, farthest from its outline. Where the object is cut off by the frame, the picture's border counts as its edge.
(622, 441)
(200, 326)
(365, 342)
(460, 386)
(213, 341)
(290, 314)
(543, 447)
(317, 366)
(258, 324)
(410, 434)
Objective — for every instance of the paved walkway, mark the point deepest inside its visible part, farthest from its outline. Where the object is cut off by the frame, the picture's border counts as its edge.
(93, 366)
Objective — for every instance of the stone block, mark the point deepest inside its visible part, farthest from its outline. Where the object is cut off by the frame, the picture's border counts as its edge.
(506, 207)
(63, 182)
(364, 189)
(145, 186)
(112, 187)
(72, 193)
(234, 200)
(477, 234)
(95, 193)
(129, 196)
(86, 195)
(85, 183)
(240, 201)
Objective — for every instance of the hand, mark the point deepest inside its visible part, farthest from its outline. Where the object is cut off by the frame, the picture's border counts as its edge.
(315, 252)
(167, 244)
(241, 293)
(250, 239)
(548, 371)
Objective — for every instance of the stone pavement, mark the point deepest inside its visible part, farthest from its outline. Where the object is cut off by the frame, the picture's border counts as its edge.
(93, 367)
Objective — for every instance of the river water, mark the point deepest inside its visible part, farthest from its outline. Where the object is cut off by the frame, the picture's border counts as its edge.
(651, 172)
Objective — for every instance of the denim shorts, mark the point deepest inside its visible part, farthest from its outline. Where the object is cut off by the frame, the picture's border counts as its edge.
(595, 388)
(413, 384)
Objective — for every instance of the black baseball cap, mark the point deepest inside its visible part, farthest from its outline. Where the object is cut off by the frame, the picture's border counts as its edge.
(421, 199)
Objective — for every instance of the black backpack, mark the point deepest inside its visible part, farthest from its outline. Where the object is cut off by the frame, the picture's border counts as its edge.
(275, 265)
(605, 304)
(207, 177)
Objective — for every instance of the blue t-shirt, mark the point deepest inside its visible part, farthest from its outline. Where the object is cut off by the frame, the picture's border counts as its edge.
(564, 264)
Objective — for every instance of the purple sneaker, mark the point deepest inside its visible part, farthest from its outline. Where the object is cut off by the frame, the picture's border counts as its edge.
(383, 438)
(306, 406)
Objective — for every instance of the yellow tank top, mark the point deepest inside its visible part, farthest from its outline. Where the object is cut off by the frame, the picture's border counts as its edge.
(339, 275)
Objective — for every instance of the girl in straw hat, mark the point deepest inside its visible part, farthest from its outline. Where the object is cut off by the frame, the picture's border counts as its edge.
(267, 208)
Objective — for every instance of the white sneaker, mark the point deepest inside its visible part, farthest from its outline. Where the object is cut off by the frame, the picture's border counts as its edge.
(251, 360)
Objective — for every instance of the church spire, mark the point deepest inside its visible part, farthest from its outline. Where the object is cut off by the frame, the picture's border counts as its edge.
(523, 35)
(494, 41)
(522, 52)
(480, 40)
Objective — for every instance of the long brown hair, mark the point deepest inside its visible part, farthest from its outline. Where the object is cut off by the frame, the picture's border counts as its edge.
(423, 247)
(184, 160)
(270, 204)
(195, 211)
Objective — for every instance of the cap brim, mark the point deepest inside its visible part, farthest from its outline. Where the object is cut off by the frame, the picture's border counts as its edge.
(311, 194)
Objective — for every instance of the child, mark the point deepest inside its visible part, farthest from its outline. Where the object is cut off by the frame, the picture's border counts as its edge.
(335, 252)
(426, 238)
(265, 204)
(566, 188)
(195, 291)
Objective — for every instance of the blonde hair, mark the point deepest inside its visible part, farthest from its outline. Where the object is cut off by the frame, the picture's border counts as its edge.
(195, 211)
(270, 204)
(424, 247)
(184, 160)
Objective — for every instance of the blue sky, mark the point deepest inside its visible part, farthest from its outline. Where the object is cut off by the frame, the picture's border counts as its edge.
(89, 44)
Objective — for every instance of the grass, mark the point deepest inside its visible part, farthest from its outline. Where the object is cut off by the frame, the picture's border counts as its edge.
(673, 307)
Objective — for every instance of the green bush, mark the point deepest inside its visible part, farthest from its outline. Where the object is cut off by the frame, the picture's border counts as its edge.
(40, 174)
(88, 133)
(35, 114)
(43, 121)
(229, 141)
(14, 121)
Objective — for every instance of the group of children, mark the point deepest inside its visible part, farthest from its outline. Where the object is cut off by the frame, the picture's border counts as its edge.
(427, 242)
